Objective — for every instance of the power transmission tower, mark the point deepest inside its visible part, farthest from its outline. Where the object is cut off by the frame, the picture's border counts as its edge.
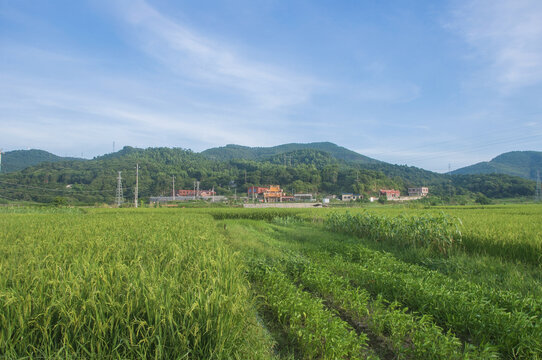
(538, 191)
(173, 189)
(137, 185)
(1, 161)
(120, 198)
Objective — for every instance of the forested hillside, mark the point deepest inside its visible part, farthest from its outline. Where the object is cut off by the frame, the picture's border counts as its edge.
(230, 152)
(20, 159)
(302, 170)
(517, 163)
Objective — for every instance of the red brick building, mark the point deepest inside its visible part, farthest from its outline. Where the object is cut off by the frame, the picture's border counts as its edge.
(390, 194)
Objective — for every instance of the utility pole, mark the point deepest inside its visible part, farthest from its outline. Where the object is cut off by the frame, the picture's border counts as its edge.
(119, 199)
(173, 189)
(450, 180)
(538, 190)
(197, 189)
(194, 190)
(137, 185)
(213, 194)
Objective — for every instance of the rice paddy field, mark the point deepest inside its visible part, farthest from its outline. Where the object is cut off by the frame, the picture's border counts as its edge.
(378, 283)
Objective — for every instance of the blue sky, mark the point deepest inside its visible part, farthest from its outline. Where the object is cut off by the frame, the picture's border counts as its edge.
(425, 83)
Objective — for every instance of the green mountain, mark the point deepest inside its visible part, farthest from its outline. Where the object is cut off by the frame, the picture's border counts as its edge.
(299, 170)
(524, 164)
(231, 151)
(20, 159)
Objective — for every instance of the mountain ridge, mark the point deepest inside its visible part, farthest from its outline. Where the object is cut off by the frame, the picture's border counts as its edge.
(17, 160)
(233, 151)
(524, 164)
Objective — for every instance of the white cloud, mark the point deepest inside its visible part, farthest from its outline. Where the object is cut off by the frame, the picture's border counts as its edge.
(211, 63)
(37, 114)
(506, 35)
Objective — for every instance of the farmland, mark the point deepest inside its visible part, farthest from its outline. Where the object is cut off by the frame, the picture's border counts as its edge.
(386, 282)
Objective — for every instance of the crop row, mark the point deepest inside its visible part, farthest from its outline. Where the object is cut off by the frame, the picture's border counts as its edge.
(410, 336)
(353, 251)
(487, 318)
(319, 333)
(513, 333)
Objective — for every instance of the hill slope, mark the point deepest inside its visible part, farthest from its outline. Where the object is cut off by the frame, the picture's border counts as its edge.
(231, 151)
(304, 170)
(21, 159)
(518, 163)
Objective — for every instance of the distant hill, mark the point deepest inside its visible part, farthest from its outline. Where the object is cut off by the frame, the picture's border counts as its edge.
(231, 151)
(300, 170)
(518, 163)
(21, 159)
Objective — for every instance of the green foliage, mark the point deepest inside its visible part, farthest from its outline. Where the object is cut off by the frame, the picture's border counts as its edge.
(230, 152)
(482, 199)
(436, 232)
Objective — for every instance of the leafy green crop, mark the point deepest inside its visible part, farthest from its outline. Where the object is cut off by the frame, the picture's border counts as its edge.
(438, 232)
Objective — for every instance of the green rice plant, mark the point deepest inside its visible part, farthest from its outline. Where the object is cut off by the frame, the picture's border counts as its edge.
(268, 214)
(123, 284)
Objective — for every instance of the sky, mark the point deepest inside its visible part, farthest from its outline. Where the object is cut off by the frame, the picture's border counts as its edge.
(433, 84)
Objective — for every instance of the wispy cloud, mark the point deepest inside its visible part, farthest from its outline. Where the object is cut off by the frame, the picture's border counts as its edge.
(84, 118)
(506, 35)
(211, 63)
